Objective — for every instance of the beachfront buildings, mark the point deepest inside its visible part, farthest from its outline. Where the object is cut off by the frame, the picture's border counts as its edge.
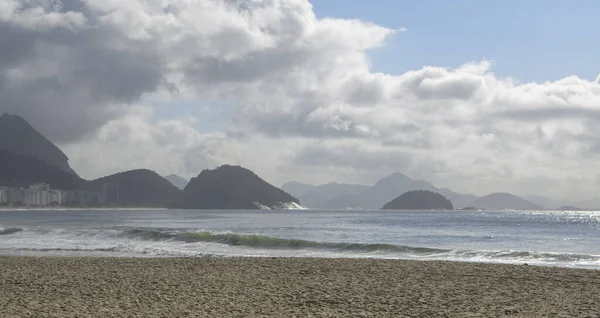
(41, 195)
(3, 195)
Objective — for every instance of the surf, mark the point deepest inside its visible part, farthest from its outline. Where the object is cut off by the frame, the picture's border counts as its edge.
(267, 242)
(10, 230)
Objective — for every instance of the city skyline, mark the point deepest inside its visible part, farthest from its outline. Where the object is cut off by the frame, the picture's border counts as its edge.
(41, 195)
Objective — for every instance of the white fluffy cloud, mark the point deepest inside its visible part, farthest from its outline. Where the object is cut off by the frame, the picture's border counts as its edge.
(306, 104)
(167, 146)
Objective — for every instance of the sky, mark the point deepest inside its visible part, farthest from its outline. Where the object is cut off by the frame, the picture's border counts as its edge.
(477, 96)
(529, 40)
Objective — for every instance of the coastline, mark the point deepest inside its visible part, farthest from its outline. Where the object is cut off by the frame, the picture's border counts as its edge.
(225, 287)
(81, 209)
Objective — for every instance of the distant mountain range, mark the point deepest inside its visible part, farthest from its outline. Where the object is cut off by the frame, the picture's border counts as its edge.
(542, 200)
(321, 196)
(27, 157)
(548, 203)
(342, 196)
(177, 181)
(500, 201)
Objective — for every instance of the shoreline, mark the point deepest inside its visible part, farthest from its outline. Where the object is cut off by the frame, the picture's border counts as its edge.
(21, 208)
(239, 286)
(81, 209)
(77, 254)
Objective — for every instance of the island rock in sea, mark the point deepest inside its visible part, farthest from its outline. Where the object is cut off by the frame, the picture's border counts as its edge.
(419, 200)
(233, 187)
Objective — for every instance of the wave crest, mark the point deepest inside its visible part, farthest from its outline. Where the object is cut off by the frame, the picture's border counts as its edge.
(261, 241)
(10, 230)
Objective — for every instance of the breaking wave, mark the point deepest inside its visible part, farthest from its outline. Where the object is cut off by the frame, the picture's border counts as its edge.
(260, 241)
(393, 251)
(526, 256)
(10, 230)
(280, 206)
(157, 242)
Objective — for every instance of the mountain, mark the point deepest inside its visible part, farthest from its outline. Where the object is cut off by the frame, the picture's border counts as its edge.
(541, 200)
(17, 136)
(297, 188)
(232, 187)
(140, 188)
(341, 196)
(459, 200)
(504, 201)
(569, 205)
(22, 171)
(317, 196)
(586, 204)
(383, 191)
(177, 181)
(419, 200)
(569, 208)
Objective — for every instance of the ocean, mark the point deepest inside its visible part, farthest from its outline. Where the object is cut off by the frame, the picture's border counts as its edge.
(564, 239)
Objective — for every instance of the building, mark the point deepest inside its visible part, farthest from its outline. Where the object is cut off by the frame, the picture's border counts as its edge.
(62, 197)
(111, 194)
(37, 195)
(16, 196)
(39, 187)
(28, 198)
(40, 195)
(84, 198)
(57, 197)
(4, 195)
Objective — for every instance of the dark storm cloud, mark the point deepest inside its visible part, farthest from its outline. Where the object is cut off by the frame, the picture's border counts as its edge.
(17, 45)
(70, 75)
(68, 82)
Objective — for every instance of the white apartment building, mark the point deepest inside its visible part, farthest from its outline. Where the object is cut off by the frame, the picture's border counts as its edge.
(39, 187)
(58, 197)
(3, 195)
(39, 195)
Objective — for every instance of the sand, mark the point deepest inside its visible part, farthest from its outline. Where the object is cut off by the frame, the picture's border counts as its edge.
(216, 287)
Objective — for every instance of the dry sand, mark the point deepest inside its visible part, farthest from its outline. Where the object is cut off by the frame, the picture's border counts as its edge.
(208, 287)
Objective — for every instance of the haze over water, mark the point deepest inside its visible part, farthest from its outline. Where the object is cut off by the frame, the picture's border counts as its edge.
(566, 239)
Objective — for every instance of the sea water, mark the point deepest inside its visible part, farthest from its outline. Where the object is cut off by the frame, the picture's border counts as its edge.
(566, 239)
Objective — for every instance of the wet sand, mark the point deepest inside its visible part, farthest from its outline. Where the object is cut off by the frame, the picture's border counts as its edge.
(302, 287)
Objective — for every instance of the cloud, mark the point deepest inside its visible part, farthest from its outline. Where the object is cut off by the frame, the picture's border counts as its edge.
(40, 14)
(69, 72)
(78, 63)
(166, 146)
(350, 155)
(305, 103)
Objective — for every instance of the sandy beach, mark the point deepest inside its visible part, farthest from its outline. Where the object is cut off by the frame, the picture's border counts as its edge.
(283, 287)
